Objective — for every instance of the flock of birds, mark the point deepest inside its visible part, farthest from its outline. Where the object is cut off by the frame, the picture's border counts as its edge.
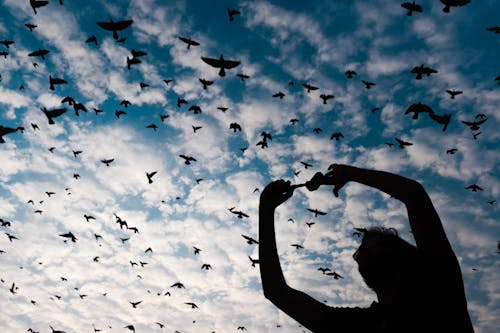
(222, 65)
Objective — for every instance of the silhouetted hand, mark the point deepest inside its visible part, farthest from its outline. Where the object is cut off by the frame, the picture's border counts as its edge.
(276, 192)
(337, 176)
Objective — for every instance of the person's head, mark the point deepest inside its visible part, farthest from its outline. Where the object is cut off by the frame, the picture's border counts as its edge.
(385, 260)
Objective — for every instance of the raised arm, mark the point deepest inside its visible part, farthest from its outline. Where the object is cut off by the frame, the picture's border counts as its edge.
(425, 223)
(309, 312)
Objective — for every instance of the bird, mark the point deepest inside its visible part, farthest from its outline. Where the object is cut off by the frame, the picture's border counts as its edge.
(178, 285)
(133, 61)
(115, 26)
(154, 127)
(231, 12)
(206, 266)
(126, 103)
(189, 42)
(411, 7)
(88, 217)
(143, 85)
(97, 111)
(54, 80)
(453, 3)
(335, 275)
(350, 73)
(474, 125)
(474, 188)
(134, 304)
(279, 95)
(6, 42)
(70, 236)
(222, 108)
(130, 327)
(4, 54)
(326, 97)
(39, 53)
(441, 119)
(418, 108)
(239, 213)
(316, 212)
(250, 240)
(403, 143)
(221, 63)
(368, 84)
(30, 26)
(324, 269)
(235, 127)
(193, 305)
(253, 261)
(150, 176)
(317, 130)
(297, 246)
(195, 108)
(119, 113)
(196, 128)
(187, 159)
(79, 107)
(196, 250)
(421, 70)
(336, 136)
(495, 29)
(453, 93)
(294, 121)
(309, 224)
(92, 39)
(37, 4)
(309, 87)
(205, 83)
(167, 81)
(8, 130)
(242, 76)
(11, 237)
(305, 164)
(451, 151)
(181, 101)
(107, 161)
(138, 53)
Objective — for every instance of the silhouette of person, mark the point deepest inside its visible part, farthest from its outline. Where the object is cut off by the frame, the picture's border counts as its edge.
(419, 288)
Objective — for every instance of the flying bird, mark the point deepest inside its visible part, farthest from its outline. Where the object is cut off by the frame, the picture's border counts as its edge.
(92, 39)
(403, 143)
(441, 119)
(70, 236)
(451, 151)
(189, 42)
(133, 61)
(350, 74)
(335, 275)
(115, 26)
(454, 93)
(411, 7)
(187, 159)
(316, 212)
(39, 53)
(107, 161)
(6, 43)
(181, 101)
(239, 213)
(474, 125)
(178, 285)
(474, 188)
(250, 240)
(205, 83)
(422, 70)
(336, 136)
(242, 76)
(206, 266)
(54, 80)
(297, 246)
(305, 164)
(37, 4)
(279, 95)
(221, 63)
(30, 26)
(195, 108)
(368, 84)
(150, 176)
(193, 305)
(418, 108)
(495, 29)
(309, 87)
(231, 13)
(453, 3)
(326, 97)
(134, 304)
(119, 113)
(8, 130)
(235, 127)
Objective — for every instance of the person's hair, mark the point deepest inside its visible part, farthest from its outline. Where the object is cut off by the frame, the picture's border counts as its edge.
(384, 256)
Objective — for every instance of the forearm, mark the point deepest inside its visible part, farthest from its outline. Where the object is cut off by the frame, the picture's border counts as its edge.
(273, 281)
(396, 186)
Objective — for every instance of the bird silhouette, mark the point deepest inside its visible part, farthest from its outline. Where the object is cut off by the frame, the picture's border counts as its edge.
(187, 159)
(206, 266)
(193, 305)
(196, 250)
(195, 108)
(92, 39)
(238, 213)
(154, 127)
(326, 97)
(475, 125)
(411, 7)
(253, 261)
(474, 188)
(350, 73)
(316, 212)
(279, 95)
(206, 83)
(441, 119)
(88, 217)
(403, 143)
(79, 107)
(250, 240)
(6, 42)
(130, 327)
(119, 113)
(150, 176)
(11, 237)
(132, 61)
(189, 42)
(495, 29)
(309, 87)
(221, 63)
(451, 151)
(115, 26)
(336, 136)
(243, 77)
(235, 127)
(138, 53)
(231, 12)
(178, 285)
(70, 236)
(324, 269)
(306, 165)
(54, 80)
(294, 121)
(317, 130)
(310, 224)
(196, 128)
(454, 93)
(453, 3)
(107, 161)
(368, 84)
(297, 246)
(39, 53)
(30, 26)
(422, 70)
(143, 85)
(134, 304)
(37, 4)
(335, 275)
(418, 108)
(9, 130)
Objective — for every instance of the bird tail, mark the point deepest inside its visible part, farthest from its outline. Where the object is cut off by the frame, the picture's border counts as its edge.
(51, 121)
(115, 34)
(222, 72)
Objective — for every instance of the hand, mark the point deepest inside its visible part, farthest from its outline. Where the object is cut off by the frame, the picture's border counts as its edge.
(276, 192)
(338, 176)
(316, 181)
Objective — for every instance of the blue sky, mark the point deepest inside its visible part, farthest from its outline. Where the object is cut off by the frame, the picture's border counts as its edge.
(277, 42)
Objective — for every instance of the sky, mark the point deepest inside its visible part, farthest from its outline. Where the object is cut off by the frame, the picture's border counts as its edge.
(88, 284)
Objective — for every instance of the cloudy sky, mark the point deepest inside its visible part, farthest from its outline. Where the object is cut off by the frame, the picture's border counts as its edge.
(48, 280)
